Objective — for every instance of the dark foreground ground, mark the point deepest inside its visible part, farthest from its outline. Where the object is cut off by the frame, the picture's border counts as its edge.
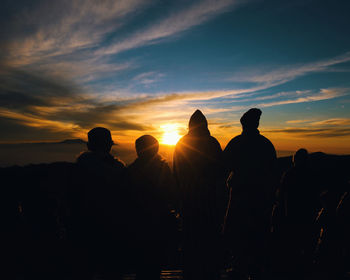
(32, 198)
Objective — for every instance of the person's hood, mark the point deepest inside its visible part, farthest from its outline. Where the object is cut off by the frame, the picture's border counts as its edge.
(198, 124)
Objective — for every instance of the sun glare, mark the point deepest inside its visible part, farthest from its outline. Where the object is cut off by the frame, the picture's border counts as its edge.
(170, 134)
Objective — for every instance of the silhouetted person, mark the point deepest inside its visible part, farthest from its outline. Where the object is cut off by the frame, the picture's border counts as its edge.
(301, 201)
(98, 159)
(96, 204)
(198, 170)
(251, 158)
(152, 185)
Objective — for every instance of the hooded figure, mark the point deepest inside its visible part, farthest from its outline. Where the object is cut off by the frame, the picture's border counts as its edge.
(152, 185)
(251, 158)
(197, 168)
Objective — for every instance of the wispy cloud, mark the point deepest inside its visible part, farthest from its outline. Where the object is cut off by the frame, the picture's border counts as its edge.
(47, 100)
(298, 121)
(59, 38)
(281, 75)
(323, 94)
(148, 78)
(63, 38)
(333, 122)
(53, 73)
(69, 37)
(334, 127)
(172, 25)
(37, 122)
(313, 132)
(64, 27)
(50, 103)
(282, 98)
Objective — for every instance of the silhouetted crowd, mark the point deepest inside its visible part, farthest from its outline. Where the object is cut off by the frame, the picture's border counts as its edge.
(239, 211)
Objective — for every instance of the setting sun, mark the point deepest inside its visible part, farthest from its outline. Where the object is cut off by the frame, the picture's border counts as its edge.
(170, 134)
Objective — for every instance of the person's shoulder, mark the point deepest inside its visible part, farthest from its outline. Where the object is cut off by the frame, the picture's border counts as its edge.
(235, 140)
(85, 157)
(215, 142)
(182, 142)
(265, 140)
(233, 144)
(267, 146)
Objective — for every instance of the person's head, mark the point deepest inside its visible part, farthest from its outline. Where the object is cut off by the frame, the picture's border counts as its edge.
(198, 122)
(99, 140)
(146, 146)
(250, 119)
(301, 157)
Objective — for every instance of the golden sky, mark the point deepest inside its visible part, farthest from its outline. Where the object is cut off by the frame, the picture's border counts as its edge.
(143, 67)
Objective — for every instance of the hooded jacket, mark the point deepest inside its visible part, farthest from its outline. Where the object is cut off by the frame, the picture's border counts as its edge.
(197, 168)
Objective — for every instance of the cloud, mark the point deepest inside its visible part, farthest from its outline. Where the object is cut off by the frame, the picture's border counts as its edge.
(59, 105)
(50, 103)
(57, 38)
(297, 121)
(127, 125)
(175, 23)
(70, 37)
(333, 122)
(313, 132)
(54, 63)
(148, 78)
(83, 70)
(22, 89)
(281, 75)
(334, 127)
(291, 97)
(63, 27)
(54, 103)
(14, 131)
(323, 94)
(231, 125)
(37, 122)
(278, 95)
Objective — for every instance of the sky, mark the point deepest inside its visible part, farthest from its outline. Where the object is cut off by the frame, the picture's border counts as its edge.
(139, 67)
